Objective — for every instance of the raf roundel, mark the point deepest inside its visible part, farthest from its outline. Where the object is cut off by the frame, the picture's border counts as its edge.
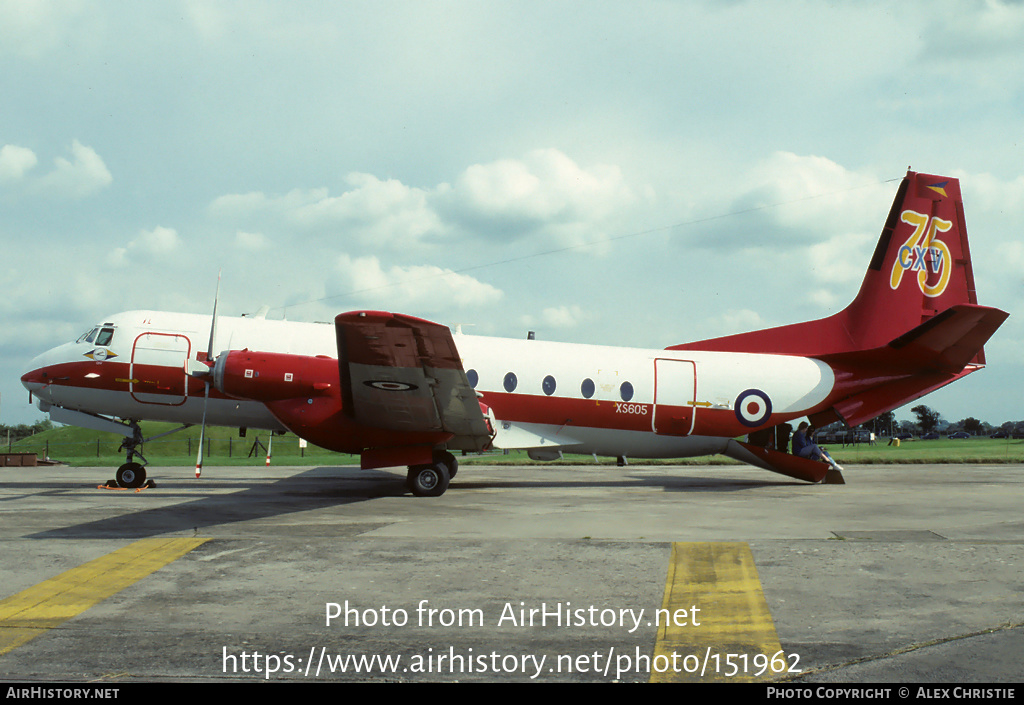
(389, 386)
(753, 407)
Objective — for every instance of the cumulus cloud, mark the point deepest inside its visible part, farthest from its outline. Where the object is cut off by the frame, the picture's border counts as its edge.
(376, 211)
(562, 316)
(741, 319)
(15, 162)
(798, 183)
(158, 241)
(152, 244)
(985, 192)
(790, 202)
(209, 19)
(254, 242)
(991, 29)
(257, 204)
(31, 29)
(373, 211)
(544, 195)
(823, 298)
(824, 259)
(82, 175)
(418, 286)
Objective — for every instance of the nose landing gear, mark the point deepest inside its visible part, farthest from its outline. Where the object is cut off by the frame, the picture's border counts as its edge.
(132, 474)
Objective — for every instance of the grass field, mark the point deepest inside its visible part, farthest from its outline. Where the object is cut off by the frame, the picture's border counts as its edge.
(82, 447)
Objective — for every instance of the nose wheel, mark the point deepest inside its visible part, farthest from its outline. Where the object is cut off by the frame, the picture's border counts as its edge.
(131, 475)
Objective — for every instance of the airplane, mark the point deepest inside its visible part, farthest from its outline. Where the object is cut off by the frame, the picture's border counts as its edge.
(402, 391)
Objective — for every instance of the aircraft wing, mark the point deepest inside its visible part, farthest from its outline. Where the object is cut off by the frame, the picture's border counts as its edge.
(405, 374)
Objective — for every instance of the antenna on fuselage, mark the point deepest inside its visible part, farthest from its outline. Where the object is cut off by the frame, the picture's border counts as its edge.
(260, 313)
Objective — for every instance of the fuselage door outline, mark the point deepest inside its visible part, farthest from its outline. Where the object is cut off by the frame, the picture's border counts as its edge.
(675, 391)
(168, 351)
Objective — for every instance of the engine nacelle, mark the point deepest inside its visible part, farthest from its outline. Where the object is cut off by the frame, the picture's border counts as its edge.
(267, 377)
(304, 394)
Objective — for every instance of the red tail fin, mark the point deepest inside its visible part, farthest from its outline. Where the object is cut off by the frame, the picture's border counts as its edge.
(921, 267)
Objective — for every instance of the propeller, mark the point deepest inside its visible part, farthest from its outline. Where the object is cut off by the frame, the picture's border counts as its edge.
(204, 372)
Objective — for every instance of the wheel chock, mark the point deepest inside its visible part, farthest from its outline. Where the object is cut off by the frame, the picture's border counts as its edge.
(112, 485)
(833, 477)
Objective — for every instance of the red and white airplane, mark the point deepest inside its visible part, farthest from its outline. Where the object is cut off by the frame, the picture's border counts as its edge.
(402, 391)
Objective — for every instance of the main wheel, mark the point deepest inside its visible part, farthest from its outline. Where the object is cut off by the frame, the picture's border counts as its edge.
(131, 475)
(450, 461)
(429, 480)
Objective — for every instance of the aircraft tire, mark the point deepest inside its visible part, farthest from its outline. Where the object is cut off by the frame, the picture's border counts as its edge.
(429, 480)
(450, 461)
(131, 475)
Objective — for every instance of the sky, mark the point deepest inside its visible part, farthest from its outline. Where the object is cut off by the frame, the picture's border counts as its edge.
(633, 173)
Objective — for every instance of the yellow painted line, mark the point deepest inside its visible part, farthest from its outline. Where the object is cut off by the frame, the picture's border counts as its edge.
(719, 580)
(32, 612)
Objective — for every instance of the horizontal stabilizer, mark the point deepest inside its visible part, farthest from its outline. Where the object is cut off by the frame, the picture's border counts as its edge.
(949, 341)
(861, 408)
(935, 353)
(783, 463)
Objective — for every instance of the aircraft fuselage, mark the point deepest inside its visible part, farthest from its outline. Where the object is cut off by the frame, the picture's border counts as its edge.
(578, 398)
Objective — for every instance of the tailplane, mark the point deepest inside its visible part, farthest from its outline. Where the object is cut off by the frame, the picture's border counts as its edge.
(920, 268)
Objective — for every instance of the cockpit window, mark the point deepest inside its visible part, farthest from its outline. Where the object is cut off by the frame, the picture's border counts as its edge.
(88, 337)
(105, 337)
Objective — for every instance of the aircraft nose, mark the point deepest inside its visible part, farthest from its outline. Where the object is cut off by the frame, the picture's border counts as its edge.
(41, 370)
(37, 377)
(35, 380)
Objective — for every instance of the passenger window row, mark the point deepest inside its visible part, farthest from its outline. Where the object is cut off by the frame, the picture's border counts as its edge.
(587, 387)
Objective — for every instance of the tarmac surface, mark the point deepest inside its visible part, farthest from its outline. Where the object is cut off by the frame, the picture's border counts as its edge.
(909, 573)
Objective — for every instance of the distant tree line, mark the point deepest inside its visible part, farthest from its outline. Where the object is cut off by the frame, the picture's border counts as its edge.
(16, 433)
(928, 420)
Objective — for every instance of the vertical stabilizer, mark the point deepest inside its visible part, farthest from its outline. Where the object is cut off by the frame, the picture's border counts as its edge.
(921, 267)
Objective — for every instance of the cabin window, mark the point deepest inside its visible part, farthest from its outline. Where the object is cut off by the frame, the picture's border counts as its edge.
(473, 378)
(88, 336)
(510, 382)
(549, 385)
(587, 388)
(626, 391)
(105, 337)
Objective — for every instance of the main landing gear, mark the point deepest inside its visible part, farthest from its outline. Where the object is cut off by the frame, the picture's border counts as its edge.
(432, 480)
